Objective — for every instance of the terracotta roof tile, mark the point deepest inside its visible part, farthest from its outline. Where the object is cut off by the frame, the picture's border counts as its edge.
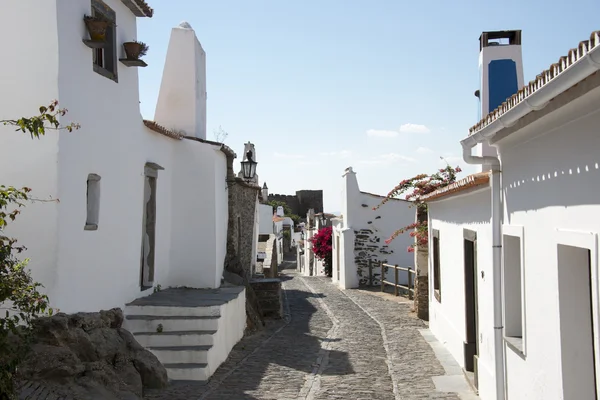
(471, 181)
(540, 81)
(162, 130)
(139, 8)
(277, 219)
(179, 136)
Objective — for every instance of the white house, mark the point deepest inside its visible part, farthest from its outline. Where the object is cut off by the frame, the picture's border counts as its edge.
(142, 203)
(359, 235)
(529, 228)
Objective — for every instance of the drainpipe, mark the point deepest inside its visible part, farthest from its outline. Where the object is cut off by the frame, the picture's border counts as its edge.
(494, 163)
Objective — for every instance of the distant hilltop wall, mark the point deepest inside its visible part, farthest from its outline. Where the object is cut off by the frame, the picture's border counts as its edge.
(302, 201)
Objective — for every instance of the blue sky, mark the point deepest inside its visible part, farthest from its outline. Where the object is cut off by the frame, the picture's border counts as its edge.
(384, 86)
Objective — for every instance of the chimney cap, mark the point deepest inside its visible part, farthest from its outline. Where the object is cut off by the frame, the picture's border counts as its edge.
(513, 36)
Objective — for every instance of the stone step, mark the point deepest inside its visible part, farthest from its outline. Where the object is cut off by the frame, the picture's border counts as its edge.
(175, 338)
(187, 371)
(210, 310)
(170, 323)
(181, 354)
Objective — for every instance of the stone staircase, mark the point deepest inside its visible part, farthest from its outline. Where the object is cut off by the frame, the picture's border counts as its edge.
(191, 331)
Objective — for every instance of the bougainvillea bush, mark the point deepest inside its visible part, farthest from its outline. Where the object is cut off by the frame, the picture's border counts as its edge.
(322, 247)
(415, 189)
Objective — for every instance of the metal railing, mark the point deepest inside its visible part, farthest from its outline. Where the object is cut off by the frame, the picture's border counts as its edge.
(409, 287)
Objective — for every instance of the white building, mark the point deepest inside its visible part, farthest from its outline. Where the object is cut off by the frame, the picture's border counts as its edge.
(142, 203)
(359, 235)
(524, 284)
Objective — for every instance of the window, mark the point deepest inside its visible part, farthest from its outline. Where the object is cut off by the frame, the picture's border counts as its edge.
(93, 202)
(437, 281)
(514, 292)
(105, 59)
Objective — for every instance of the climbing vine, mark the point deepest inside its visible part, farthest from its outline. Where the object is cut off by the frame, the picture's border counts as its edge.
(20, 298)
(322, 244)
(414, 190)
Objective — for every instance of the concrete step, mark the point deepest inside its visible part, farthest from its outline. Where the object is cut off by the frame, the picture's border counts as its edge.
(187, 371)
(175, 338)
(211, 309)
(170, 323)
(181, 354)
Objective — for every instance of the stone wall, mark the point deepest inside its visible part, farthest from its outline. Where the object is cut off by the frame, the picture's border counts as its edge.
(268, 292)
(302, 201)
(369, 246)
(242, 198)
(243, 210)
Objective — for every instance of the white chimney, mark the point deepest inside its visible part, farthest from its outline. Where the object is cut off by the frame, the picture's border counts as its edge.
(500, 73)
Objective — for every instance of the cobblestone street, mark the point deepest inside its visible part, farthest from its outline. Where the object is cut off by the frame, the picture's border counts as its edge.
(332, 344)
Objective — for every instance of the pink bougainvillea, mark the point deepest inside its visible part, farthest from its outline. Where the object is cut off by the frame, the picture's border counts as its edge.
(414, 189)
(322, 247)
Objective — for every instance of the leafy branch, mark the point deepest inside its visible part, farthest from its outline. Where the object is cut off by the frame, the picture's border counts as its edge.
(414, 190)
(37, 125)
(20, 295)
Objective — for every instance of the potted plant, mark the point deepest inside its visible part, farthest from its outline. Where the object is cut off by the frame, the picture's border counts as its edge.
(96, 27)
(135, 50)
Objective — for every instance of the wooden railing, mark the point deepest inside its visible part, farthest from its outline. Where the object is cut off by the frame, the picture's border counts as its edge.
(409, 287)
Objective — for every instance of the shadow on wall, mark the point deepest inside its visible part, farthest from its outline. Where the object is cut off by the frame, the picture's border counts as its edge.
(561, 186)
(247, 379)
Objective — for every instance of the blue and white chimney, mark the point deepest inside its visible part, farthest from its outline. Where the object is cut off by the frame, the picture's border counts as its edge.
(500, 73)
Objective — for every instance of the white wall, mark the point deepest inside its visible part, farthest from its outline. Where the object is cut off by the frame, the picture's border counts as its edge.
(447, 321)
(359, 214)
(551, 181)
(90, 270)
(25, 85)
(265, 219)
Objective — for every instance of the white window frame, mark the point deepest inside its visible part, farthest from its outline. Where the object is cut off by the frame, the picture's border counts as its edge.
(517, 231)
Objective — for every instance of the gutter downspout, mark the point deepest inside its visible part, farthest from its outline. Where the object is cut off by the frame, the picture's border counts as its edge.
(494, 163)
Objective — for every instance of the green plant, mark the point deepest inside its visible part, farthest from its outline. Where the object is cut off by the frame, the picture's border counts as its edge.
(415, 188)
(157, 288)
(159, 328)
(20, 296)
(143, 49)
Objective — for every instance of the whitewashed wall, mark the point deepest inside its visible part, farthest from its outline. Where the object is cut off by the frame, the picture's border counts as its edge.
(266, 219)
(551, 182)
(358, 218)
(27, 162)
(451, 216)
(90, 270)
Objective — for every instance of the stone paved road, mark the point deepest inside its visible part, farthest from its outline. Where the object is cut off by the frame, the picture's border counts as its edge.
(334, 344)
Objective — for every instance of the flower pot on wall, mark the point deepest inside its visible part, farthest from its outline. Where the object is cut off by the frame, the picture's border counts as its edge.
(135, 50)
(96, 28)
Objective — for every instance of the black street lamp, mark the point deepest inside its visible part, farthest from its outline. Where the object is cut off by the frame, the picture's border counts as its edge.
(249, 167)
(323, 219)
(248, 170)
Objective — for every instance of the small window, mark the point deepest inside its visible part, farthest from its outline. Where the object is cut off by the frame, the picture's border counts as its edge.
(514, 296)
(93, 202)
(437, 279)
(105, 59)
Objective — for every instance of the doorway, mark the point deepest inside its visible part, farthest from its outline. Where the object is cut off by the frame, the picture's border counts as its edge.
(471, 347)
(578, 352)
(149, 226)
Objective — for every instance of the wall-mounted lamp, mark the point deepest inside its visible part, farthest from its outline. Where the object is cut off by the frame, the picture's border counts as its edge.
(323, 219)
(248, 170)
